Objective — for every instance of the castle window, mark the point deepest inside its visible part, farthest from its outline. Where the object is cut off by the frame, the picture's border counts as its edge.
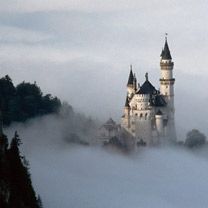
(141, 115)
(145, 116)
(136, 114)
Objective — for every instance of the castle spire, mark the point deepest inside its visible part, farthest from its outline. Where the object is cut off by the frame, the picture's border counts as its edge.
(135, 82)
(131, 77)
(165, 54)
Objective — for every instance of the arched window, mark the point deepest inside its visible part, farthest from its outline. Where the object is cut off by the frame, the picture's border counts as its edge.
(141, 115)
(145, 116)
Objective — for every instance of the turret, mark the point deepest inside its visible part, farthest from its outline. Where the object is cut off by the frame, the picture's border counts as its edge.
(159, 123)
(166, 80)
(167, 88)
(131, 83)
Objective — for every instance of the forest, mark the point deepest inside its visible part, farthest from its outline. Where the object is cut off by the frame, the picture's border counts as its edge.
(24, 101)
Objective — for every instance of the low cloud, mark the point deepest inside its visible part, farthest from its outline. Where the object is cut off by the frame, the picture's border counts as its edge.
(69, 175)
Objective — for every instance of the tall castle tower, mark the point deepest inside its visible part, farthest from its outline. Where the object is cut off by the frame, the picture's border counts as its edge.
(167, 88)
(148, 112)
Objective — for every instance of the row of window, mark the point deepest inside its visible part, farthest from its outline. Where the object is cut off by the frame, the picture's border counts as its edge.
(140, 116)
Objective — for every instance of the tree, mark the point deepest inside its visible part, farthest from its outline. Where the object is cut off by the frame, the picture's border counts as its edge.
(22, 193)
(195, 138)
(24, 101)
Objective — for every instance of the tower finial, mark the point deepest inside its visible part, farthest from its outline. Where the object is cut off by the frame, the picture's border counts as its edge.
(130, 66)
(146, 76)
(166, 36)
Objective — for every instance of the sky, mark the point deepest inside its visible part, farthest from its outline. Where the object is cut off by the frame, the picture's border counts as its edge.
(81, 50)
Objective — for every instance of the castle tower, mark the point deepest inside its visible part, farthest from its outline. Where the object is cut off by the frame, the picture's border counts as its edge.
(167, 88)
(131, 83)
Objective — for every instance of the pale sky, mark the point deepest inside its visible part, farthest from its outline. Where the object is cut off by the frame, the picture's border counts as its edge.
(81, 51)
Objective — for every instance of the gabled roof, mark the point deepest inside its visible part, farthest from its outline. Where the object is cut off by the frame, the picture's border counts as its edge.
(109, 125)
(147, 88)
(165, 54)
(110, 121)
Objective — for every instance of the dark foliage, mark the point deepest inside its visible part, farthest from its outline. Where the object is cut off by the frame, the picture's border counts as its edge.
(16, 190)
(195, 138)
(24, 101)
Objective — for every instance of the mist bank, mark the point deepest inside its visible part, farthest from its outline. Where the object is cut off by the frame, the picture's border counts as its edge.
(88, 177)
(66, 174)
(55, 130)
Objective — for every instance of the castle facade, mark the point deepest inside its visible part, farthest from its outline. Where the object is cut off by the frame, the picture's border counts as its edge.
(149, 113)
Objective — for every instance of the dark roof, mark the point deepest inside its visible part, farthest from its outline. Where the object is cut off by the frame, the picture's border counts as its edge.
(109, 125)
(165, 54)
(159, 112)
(127, 102)
(147, 88)
(110, 121)
(158, 101)
(131, 78)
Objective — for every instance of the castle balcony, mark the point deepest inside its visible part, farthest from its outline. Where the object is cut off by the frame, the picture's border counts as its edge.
(167, 81)
(167, 64)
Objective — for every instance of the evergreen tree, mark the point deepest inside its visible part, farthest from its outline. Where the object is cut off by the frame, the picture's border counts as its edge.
(22, 194)
(24, 101)
(4, 173)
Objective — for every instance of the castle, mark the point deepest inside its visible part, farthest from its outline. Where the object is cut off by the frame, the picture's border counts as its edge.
(149, 113)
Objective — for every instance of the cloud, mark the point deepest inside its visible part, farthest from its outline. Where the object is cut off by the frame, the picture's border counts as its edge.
(85, 5)
(14, 35)
(73, 176)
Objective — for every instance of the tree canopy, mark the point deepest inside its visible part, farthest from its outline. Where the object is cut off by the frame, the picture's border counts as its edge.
(195, 138)
(24, 101)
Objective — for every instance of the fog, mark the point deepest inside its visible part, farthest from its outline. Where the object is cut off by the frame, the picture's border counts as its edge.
(93, 178)
(71, 175)
(80, 51)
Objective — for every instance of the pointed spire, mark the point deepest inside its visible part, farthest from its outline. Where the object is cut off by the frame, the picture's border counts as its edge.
(131, 77)
(127, 102)
(166, 52)
(162, 53)
(135, 82)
